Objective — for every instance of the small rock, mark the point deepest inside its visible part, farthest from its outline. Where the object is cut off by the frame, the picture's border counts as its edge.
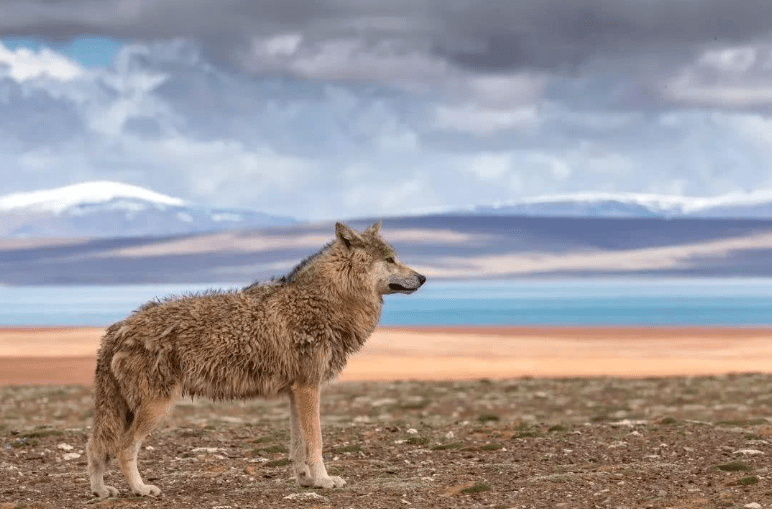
(71, 456)
(412, 431)
(748, 452)
(150, 448)
(305, 495)
(208, 449)
(450, 434)
(753, 505)
(249, 470)
(65, 447)
(635, 433)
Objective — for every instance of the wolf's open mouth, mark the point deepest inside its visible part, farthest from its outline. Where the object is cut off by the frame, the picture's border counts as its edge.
(399, 288)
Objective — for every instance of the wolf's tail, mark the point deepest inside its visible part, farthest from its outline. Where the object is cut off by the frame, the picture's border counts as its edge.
(112, 415)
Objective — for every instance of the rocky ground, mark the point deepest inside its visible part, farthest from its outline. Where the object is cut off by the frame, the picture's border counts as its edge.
(601, 442)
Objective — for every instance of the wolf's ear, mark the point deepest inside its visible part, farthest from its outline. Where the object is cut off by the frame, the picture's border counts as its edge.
(374, 229)
(348, 236)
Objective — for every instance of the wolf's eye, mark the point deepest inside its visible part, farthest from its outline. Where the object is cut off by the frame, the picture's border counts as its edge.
(390, 259)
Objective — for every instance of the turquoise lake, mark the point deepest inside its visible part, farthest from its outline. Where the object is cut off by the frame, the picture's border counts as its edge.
(613, 301)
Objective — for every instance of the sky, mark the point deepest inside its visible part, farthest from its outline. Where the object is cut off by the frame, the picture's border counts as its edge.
(340, 108)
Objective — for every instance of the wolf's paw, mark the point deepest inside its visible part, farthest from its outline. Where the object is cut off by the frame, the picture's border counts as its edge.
(327, 482)
(105, 492)
(145, 490)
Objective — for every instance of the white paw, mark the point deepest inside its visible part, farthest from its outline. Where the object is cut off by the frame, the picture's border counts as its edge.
(328, 482)
(105, 492)
(338, 482)
(145, 490)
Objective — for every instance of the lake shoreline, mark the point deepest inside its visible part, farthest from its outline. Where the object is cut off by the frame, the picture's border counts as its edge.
(67, 355)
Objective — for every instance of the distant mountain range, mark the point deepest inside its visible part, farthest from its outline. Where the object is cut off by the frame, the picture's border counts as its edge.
(111, 209)
(755, 205)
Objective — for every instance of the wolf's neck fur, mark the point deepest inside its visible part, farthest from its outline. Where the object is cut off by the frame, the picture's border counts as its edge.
(329, 275)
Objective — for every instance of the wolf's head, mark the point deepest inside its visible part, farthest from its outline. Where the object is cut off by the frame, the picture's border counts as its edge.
(376, 260)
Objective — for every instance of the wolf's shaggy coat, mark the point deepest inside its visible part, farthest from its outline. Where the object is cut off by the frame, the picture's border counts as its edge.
(286, 336)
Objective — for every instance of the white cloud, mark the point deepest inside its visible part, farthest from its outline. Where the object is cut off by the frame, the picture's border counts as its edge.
(24, 64)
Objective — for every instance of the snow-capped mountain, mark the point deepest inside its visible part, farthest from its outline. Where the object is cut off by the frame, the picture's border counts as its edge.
(755, 205)
(113, 209)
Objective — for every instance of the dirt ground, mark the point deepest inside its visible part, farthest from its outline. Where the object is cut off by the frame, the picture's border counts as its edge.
(681, 442)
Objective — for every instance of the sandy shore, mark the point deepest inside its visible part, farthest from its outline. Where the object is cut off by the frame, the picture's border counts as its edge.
(67, 355)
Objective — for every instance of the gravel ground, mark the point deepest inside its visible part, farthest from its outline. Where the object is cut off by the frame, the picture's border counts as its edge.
(592, 442)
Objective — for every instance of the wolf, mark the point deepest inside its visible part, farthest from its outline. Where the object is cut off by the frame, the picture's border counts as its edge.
(286, 336)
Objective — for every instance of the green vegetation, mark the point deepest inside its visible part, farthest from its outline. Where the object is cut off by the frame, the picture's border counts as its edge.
(348, 448)
(557, 427)
(271, 449)
(279, 463)
(488, 418)
(478, 487)
(495, 446)
(735, 466)
(742, 422)
(450, 445)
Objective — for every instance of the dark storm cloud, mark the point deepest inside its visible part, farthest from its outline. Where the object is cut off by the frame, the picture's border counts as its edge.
(485, 36)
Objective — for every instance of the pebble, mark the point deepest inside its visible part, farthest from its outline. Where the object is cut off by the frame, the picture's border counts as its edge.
(450, 434)
(65, 447)
(305, 495)
(71, 456)
(748, 452)
(412, 431)
(208, 449)
(753, 505)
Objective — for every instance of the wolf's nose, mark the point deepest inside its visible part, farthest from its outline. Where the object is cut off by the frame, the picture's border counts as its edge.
(421, 279)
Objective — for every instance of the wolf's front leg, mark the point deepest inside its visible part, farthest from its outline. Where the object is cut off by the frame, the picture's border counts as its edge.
(306, 439)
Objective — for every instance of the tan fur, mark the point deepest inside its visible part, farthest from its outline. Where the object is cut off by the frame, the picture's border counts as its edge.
(285, 336)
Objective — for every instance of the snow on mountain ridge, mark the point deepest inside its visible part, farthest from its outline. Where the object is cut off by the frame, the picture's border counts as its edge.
(655, 203)
(59, 199)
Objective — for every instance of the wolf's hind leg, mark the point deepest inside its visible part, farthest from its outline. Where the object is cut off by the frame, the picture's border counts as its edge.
(97, 461)
(146, 417)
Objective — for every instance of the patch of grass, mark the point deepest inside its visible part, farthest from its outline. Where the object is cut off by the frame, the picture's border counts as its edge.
(279, 463)
(527, 434)
(753, 436)
(415, 440)
(348, 448)
(557, 427)
(735, 466)
(747, 480)
(668, 421)
(450, 445)
(478, 487)
(488, 418)
(42, 433)
(23, 442)
(418, 405)
(742, 422)
(495, 446)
